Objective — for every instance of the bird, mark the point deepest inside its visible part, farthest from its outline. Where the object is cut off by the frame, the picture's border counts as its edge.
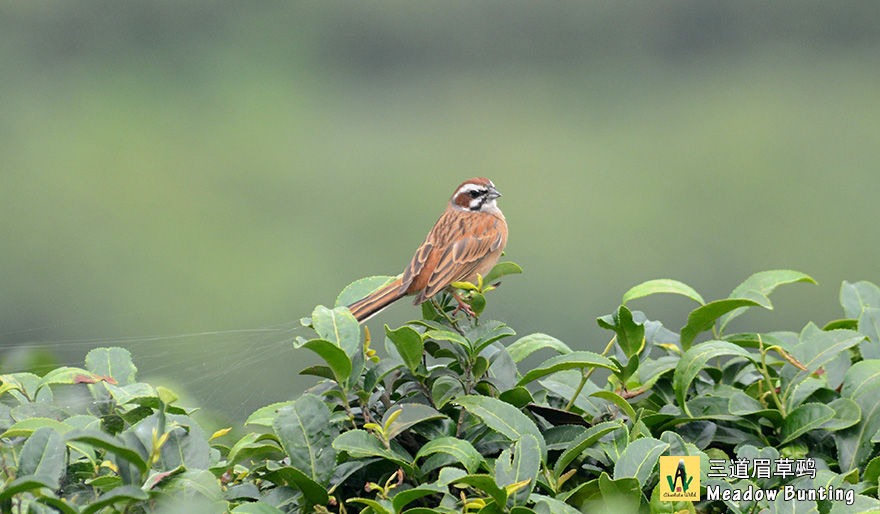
(466, 241)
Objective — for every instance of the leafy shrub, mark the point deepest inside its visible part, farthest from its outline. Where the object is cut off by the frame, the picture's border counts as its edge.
(453, 419)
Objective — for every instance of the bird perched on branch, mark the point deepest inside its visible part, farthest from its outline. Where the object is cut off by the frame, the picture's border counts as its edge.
(466, 241)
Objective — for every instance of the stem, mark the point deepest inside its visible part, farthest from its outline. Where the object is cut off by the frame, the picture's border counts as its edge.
(766, 372)
(366, 413)
(460, 421)
(448, 318)
(386, 394)
(468, 389)
(347, 407)
(580, 387)
(586, 376)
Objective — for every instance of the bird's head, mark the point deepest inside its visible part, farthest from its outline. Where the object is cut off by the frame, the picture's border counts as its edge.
(475, 195)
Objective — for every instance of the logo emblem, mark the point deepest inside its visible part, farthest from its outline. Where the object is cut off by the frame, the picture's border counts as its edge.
(680, 479)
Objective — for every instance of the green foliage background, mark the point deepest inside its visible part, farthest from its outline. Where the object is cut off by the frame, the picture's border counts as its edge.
(176, 168)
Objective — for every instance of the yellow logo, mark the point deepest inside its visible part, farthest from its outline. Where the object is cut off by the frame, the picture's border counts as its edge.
(680, 479)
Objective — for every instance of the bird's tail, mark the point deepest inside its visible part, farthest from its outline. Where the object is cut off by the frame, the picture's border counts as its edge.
(375, 302)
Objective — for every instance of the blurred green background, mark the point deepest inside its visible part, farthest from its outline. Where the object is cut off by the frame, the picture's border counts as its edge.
(218, 168)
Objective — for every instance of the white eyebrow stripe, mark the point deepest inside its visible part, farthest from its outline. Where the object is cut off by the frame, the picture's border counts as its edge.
(471, 187)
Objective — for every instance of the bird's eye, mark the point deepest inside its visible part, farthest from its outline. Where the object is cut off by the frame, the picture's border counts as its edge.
(474, 194)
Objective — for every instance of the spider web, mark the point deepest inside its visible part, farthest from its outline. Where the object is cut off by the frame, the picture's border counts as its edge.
(212, 370)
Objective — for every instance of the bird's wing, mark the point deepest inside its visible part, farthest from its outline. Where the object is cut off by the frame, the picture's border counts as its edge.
(461, 249)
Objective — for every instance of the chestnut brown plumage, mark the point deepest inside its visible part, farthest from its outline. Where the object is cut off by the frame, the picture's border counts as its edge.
(467, 240)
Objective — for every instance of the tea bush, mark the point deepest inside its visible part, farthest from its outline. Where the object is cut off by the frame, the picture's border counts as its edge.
(453, 420)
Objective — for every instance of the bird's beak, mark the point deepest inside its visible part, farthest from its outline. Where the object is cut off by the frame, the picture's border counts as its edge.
(493, 193)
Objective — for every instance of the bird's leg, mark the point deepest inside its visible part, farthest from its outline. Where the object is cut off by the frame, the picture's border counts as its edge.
(448, 318)
(462, 306)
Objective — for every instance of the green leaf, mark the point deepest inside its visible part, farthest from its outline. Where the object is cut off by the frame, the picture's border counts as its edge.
(477, 303)
(565, 384)
(26, 383)
(444, 389)
(760, 285)
(319, 371)
(67, 375)
(166, 396)
(376, 507)
(623, 493)
(650, 370)
(639, 458)
(43, 454)
(547, 505)
(861, 504)
(848, 324)
(662, 285)
(127, 493)
(111, 444)
(487, 333)
(410, 415)
(693, 361)
(861, 379)
(630, 335)
(502, 418)
(861, 384)
(404, 498)
(264, 415)
(448, 475)
(360, 289)
(460, 449)
(307, 436)
(846, 414)
(105, 482)
(25, 484)
(618, 400)
(615, 445)
(315, 493)
(517, 464)
(26, 427)
(869, 325)
(584, 441)
(61, 505)
(251, 446)
(112, 362)
(409, 345)
(360, 443)
(518, 396)
(338, 326)
(816, 349)
(501, 269)
(334, 356)
(702, 318)
(581, 359)
(523, 347)
(378, 372)
(807, 417)
(467, 286)
(486, 484)
(135, 392)
(872, 471)
(452, 337)
(741, 404)
(185, 445)
(856, 297)
(196, 484)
